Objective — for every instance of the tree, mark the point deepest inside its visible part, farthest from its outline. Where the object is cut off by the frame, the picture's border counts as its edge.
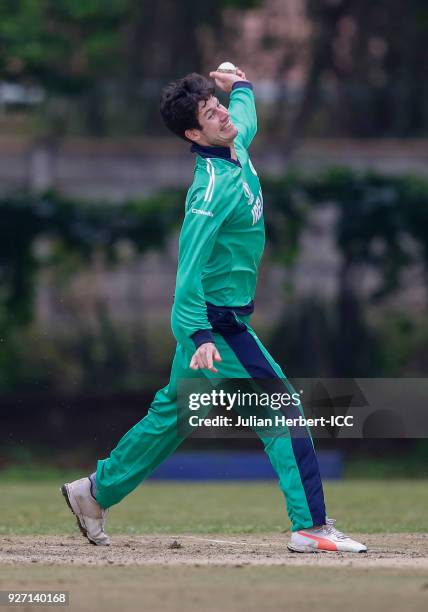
(367, 71)
(104, 59)
(382, 225)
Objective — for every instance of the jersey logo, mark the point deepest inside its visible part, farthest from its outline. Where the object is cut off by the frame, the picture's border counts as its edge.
(198, 211)
(257, 209)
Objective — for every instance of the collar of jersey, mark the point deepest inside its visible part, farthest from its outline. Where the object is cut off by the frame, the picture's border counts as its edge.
(221, 152)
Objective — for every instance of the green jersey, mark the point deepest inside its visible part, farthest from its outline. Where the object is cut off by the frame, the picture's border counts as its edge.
(222, 237)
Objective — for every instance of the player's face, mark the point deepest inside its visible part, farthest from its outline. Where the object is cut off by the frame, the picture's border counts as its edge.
(217, 128)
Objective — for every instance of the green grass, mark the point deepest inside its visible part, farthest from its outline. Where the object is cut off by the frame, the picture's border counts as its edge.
(359, 506)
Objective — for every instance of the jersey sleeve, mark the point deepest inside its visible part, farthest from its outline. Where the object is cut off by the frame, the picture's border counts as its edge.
(242, 109)
(207, 209)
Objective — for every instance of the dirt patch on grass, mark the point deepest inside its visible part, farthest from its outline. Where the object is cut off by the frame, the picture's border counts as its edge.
(385, 551)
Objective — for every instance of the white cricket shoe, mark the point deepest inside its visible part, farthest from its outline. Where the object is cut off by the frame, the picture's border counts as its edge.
(89, 514)
(325, 538)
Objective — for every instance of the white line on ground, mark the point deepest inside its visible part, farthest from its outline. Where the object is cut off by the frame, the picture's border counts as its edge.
(209, 540)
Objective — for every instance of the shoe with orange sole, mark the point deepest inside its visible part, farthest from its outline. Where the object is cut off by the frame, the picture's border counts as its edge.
(325, 538)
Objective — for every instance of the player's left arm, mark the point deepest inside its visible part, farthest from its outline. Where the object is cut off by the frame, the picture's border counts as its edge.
(242, 106)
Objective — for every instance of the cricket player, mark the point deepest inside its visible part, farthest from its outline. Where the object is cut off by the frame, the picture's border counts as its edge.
(220, 247)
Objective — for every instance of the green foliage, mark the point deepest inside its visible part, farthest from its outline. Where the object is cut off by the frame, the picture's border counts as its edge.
(44, 230)
(101, 64)
(286, 208)
(382, 223)
(403, 338)
(383, 220)
(366, 72)
(51, 232)
(61, 45)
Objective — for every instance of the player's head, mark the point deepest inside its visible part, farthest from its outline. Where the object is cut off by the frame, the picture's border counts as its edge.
(191, 110)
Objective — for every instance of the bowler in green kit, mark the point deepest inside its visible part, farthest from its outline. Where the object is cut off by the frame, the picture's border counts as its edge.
(221, 244)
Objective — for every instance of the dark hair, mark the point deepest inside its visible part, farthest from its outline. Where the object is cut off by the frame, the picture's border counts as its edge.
(180, 100)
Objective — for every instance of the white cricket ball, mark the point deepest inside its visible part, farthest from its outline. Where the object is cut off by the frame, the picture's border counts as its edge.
(227, 67)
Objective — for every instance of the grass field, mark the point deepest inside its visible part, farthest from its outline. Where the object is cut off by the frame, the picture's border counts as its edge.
(218, 547)
(364, 506)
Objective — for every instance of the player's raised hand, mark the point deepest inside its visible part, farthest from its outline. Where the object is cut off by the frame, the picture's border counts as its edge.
(225, 80)
(204, 357)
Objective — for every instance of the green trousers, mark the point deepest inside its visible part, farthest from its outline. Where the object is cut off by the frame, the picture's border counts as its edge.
(144, 447)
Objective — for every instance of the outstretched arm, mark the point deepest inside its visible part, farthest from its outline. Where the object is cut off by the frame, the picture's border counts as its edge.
(242, 106)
